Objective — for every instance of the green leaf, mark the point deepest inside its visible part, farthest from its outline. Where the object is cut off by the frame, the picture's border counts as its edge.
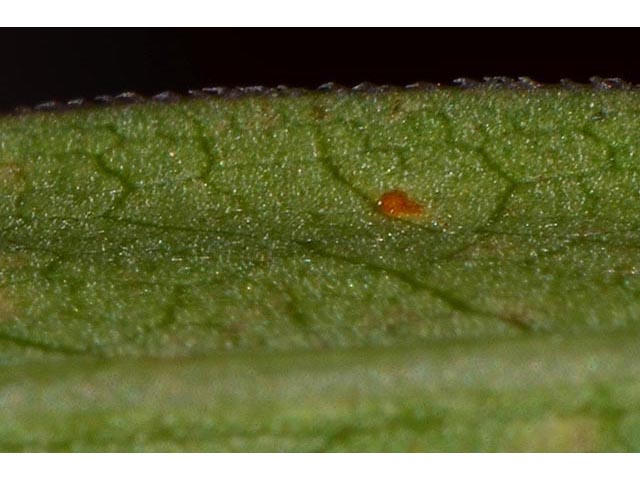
(219, 274)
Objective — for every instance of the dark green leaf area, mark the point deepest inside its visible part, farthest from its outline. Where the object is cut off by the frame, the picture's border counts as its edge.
(252, 223)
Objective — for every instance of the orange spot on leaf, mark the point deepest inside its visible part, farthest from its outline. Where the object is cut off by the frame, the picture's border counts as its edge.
(397, 204)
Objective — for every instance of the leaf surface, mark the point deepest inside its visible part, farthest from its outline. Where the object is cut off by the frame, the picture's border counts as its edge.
(216, 263)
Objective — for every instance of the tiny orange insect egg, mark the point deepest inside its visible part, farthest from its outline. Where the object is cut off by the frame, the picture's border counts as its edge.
(397, 204)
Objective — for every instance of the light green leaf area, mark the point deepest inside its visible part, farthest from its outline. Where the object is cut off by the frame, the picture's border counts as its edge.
(216, 274)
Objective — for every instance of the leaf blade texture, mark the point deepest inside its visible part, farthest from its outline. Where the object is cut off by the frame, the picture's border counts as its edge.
(251, 226)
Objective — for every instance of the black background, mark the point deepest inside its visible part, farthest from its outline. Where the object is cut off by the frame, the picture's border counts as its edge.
(39, 65)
